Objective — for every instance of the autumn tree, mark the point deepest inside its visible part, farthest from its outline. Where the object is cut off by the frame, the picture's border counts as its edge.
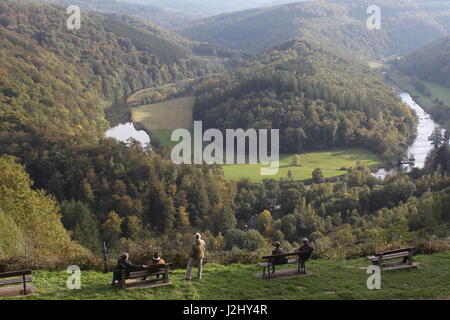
(111, 228)
(30, 219)
(295, 160)
(264, 222)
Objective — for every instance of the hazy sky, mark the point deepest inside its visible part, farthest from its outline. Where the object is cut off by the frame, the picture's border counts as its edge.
(210, 7)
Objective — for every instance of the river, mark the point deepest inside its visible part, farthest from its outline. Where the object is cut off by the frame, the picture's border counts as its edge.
(421, 145)
(125, 131)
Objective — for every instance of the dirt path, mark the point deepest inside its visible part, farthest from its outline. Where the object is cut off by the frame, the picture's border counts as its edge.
(133, 98)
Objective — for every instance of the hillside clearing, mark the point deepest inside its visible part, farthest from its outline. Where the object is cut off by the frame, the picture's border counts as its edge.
(169, 115)
(332, 163)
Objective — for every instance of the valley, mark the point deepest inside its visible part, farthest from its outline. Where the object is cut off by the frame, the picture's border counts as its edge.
(364, 164)
(160, 119)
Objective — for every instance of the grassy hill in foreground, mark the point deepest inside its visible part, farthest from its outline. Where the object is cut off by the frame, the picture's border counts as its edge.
(329, 280)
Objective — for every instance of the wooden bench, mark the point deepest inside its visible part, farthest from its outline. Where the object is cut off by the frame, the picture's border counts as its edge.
(23, 278)
(406, 254)
(270, 260)
(144, 272)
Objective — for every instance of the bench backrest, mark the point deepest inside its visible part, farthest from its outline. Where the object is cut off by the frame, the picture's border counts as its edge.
(295, 253)
(395, 251)
(15, 273)
(141, 271)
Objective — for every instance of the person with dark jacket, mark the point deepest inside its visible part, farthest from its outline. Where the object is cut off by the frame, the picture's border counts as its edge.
(277, 260)
(122, 264)
(306, 250)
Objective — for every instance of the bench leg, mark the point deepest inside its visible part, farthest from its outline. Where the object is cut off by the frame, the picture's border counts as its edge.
(264, 271)
(302, 266)
(122, 279)
(380, 261)
(24, 285)
(410, 260)
(166, 274)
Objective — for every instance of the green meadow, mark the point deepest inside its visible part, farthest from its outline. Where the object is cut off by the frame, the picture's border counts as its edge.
(167, 115)
(331, 162)
(344, 279)
(163, 136)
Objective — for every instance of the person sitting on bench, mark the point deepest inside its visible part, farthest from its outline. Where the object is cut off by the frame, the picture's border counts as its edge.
(277, 260)
(156, 259)
(122, 264)
(305, 256)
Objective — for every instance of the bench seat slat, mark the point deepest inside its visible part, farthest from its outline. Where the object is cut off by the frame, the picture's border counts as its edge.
(141, 274)
(292, 261)
(396, 255)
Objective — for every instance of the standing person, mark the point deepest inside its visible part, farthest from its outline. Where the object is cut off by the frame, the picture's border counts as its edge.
(306, 253)
(277, 260)
(122, 264)
(198, 251)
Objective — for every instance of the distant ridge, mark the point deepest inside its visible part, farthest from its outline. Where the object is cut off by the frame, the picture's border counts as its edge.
(406, 26)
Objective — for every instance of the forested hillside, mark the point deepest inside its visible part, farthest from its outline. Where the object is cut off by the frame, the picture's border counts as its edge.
(54, 86)
(406, 25)
(430, 63)
(425, 73)
(48, 72)
(317, 98)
